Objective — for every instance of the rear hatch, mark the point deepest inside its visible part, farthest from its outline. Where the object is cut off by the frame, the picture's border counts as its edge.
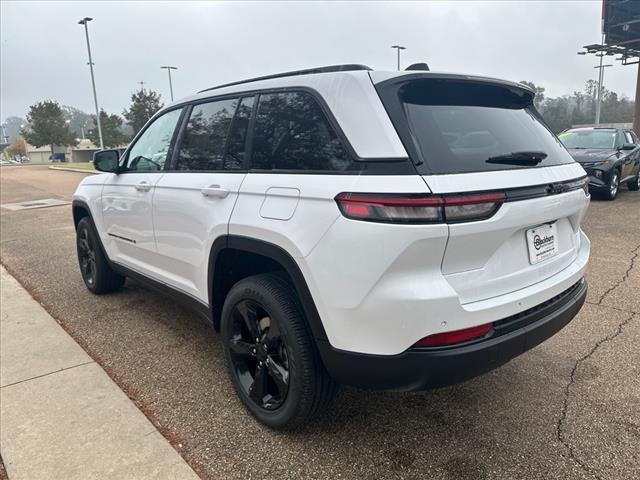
(468, 134)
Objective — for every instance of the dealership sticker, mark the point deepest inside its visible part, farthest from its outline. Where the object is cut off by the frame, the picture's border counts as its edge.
(542, 242)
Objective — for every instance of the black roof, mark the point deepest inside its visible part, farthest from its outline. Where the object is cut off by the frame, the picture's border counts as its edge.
(308, 71)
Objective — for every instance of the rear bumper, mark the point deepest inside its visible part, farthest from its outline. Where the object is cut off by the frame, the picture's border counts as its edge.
(418, 369)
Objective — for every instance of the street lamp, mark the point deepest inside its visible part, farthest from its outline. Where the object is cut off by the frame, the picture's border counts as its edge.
(601, 68)
(170, 84)
(84, 22)
(398, 48)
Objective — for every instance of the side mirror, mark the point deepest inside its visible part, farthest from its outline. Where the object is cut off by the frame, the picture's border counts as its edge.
(106, 160)
(628, 146)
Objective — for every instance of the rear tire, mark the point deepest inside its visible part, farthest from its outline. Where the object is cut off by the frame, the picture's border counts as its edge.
(270, 355)
(96, 272)
(634, 183)
(614, 186)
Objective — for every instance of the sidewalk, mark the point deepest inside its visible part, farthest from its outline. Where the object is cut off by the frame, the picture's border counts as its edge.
(61, 416)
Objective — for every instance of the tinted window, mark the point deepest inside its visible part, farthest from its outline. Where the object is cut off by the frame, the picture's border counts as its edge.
(150, 151)
(628, 138)
(205, 136)
(459, 127)
(234, 157)
(292, 133)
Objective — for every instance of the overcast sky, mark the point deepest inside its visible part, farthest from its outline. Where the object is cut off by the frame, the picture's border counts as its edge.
(44, 52)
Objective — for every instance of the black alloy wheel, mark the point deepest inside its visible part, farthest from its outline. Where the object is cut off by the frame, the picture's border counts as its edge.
(270, 354)
(95, 269)
(258, 355)
(87, 256)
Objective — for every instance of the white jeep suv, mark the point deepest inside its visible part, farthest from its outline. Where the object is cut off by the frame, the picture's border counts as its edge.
(394, 230)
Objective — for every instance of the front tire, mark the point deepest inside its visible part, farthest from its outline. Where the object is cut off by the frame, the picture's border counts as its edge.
(96, 272)
(614, 186)
(270, 355)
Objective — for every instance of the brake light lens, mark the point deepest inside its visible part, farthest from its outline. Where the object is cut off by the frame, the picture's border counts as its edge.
(457, 336)
(582, 183)
(460, 208)
(411, 209)
(390, 208)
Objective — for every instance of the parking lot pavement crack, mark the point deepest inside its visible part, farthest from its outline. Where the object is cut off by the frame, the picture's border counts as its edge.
(562, 420)
(632, 264)
(611, 307)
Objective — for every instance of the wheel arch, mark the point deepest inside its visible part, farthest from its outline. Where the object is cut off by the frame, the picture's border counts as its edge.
(262, 257)
(80, 210)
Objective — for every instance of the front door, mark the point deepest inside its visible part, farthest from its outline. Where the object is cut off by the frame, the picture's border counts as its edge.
(629, 164)
(127, 196)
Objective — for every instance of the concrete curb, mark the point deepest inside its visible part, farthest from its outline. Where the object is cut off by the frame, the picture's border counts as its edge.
(61, 414)
(79, 170)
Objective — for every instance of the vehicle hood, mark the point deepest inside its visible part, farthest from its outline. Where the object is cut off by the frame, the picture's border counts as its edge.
(590, 155)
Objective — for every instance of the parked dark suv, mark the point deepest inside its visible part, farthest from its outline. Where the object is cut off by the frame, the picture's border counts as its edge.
(610, 156)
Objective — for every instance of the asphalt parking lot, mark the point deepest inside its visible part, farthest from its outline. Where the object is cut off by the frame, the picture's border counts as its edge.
(568, 409)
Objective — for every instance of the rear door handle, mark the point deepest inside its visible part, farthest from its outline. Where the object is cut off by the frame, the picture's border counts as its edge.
(143, 186)
(215, 191)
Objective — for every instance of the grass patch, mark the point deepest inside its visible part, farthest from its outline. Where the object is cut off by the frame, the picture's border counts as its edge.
(78, 165)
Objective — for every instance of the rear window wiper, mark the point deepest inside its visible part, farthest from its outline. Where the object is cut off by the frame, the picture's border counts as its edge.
(518, 158)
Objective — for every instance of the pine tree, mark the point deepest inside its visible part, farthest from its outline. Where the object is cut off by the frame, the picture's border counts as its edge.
(144, 103)
(112, 135)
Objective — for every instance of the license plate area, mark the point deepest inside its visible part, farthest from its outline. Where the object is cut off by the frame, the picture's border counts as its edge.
(542, 242)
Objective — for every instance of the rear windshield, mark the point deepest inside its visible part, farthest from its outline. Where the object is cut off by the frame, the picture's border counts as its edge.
(459, 127)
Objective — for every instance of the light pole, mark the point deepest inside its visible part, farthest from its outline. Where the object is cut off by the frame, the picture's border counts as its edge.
(600, 89)
(84, 22)
(398, 48)
(170, 84)
(601, 68)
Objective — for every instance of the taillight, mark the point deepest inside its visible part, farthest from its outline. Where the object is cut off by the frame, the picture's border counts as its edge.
(391, 208)
(457, 336)
(460, 208)
(582, 183)
(397, 208)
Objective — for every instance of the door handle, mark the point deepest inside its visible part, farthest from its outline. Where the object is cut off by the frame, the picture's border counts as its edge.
(143, 186)
(214, 191)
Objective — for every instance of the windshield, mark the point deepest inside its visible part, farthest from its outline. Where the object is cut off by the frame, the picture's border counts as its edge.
(460, 127)
(605, 139)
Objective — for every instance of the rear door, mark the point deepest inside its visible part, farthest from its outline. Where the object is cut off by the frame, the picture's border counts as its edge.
(298, 165)
(194, 199)
(127, 196)
(475, 136)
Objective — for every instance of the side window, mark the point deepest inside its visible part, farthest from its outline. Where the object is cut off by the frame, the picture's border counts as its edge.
(627, 137)
(205, 136)
(634, 137)
(292, 133)
(150, 151)
(234, 156)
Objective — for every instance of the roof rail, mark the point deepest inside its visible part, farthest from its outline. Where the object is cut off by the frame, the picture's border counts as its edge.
(308, 71)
